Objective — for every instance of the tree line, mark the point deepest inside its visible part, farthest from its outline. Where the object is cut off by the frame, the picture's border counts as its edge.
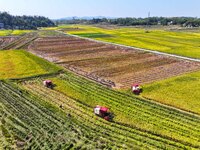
(183, 21)
(8, 21)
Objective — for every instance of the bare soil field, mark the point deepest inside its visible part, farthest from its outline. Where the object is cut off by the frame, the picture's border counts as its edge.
(6, 40)
(111, 65)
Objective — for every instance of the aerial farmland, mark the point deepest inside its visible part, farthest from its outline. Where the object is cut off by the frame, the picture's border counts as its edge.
(96, 84)
(88, 73)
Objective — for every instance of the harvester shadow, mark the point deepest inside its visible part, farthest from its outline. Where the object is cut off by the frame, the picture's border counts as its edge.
(111, 116)
(52, 86)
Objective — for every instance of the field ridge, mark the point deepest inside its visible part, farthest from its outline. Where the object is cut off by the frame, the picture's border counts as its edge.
(140, 49)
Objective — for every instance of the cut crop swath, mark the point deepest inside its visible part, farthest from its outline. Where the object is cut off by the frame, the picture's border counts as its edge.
(136, 120)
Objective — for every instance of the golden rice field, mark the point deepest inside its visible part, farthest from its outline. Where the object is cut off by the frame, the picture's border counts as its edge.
(173, 42)
(124, 67)
(20, 64)
(13, 32)
(33, 116)
(182, 92)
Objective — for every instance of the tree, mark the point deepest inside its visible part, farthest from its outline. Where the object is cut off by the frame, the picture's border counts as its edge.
(24, 22)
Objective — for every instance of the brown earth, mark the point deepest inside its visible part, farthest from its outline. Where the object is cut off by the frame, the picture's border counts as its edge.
(7, 40)
(109, 64)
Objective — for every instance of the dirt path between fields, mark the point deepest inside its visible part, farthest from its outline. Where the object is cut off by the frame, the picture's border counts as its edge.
(136, 48)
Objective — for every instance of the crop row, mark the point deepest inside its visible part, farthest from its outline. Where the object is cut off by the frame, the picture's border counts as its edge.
(130, 112)
(22, 41)
(58, 44)
(125, 135)
(135, 111)
(30, 123)
(159, 72)
(120, 64)
(126, 103)
(6, 40)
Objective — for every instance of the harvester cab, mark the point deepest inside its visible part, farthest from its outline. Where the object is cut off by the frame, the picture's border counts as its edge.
(136, 89)
(103, 112)
(48, 84)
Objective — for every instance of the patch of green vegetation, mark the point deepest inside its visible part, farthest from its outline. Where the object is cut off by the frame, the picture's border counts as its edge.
(14, 32)
(20, 64)
(47, 33)
(50, 28)
(182, 92)
(173, 42)
(20, 32)
(32, 123)
(5, 32)
(94, 35)
(128, 110)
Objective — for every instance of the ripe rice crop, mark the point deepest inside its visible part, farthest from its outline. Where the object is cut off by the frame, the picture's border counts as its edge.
(31, 123)
(13, 32)
(182, 92)
(21, 64)
(136, 123)
(173, 42)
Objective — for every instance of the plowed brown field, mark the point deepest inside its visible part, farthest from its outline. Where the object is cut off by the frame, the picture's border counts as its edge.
(6, 40)
(109, 64)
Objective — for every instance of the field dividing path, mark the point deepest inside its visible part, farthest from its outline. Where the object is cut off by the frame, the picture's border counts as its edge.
(136, 48)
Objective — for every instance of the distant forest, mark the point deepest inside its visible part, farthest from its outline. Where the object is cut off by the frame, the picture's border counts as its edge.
(182, 21)
(8, 21)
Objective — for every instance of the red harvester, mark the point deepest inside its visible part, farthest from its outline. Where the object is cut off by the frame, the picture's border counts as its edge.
(136, 89)
(103, 112)
(48, 84)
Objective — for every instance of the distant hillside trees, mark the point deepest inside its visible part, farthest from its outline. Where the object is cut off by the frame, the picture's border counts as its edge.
(183, 21)
(24, 22)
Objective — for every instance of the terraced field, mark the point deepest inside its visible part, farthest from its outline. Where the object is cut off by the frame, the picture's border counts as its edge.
(182, 92)
(31, 116)
(137, 123)
(111, 65)
(24, 38)
(21, 64)
(181, 43)
(7, 40)
(22, 42)
(30, 123)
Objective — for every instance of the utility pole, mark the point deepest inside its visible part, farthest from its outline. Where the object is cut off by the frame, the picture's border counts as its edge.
(148, 23)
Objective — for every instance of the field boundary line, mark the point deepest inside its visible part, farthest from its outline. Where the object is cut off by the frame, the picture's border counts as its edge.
(170, 106)
(35, 76)
(136, 48)
(141, 98)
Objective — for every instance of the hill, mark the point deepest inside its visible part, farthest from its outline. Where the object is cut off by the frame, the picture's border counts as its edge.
(8, 21)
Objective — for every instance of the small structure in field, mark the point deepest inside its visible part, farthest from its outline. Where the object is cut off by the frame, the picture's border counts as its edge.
(103, 112)
(136, 89)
